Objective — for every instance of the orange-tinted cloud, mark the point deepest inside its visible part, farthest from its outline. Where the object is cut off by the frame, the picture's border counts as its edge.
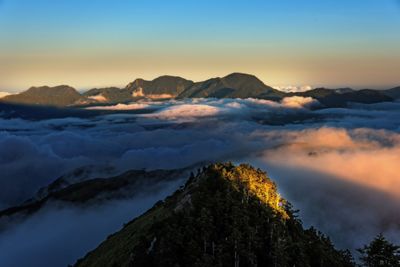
(366, 157)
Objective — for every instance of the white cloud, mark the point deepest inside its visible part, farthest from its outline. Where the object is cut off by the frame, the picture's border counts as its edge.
(132, 106)
(187, 111)
(99, 98)
(299, 102)
(59, 234)
(293, 89)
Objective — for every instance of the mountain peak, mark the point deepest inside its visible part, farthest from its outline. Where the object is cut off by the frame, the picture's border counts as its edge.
(169, 77)
(249, 181)
(224, 215)
(61, 95)
(240, 75)
(166, 86)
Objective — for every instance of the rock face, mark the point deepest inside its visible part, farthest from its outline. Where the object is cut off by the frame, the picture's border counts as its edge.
(62, 95)
(224, 216)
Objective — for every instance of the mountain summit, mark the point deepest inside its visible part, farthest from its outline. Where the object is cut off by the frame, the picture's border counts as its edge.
(225, 215)
(235, 85)
(162, 87)
(62, 95)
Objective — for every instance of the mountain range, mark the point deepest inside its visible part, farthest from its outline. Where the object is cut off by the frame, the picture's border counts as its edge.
(235, 85)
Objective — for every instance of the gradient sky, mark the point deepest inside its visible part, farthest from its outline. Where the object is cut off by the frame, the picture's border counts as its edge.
(284, 42)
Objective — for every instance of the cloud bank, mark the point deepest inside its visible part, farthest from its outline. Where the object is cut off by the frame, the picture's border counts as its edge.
(293, 89)
(339, 166)
(60, 234)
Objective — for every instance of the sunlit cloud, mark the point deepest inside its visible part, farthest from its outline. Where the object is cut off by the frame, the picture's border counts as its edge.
(355, 156)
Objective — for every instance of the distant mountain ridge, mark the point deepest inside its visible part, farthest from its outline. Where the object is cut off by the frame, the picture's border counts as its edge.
(340, 97)
(234, 85)
(167, 86)
(80, 189)
(394, 92)
(62, 95)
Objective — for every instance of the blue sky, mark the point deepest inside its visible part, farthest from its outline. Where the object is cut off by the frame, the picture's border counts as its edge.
(103, 42)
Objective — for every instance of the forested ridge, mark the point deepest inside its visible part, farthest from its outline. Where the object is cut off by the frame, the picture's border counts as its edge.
(225, 215)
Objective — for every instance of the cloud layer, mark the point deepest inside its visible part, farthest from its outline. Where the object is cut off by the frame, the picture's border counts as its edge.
(59, 234)
(339, 166)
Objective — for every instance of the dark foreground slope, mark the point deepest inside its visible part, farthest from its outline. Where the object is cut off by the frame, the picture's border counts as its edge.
(224, 216)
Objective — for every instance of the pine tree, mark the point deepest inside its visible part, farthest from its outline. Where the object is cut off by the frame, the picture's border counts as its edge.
(380, 252)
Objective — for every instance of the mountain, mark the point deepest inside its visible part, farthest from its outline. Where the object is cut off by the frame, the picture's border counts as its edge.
(76, 176)
(226, 215)
(393, 93)
(343, 90)
(365, 96)
(235, 85)
(78, 188)
(110, 95)
(163, 87)
(317, 93)
(62, 95)
(332, 98)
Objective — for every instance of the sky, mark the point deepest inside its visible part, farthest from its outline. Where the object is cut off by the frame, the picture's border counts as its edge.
(88, 44)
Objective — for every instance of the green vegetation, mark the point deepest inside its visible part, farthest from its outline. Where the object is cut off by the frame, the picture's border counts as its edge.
(380, 252)
(225, 215)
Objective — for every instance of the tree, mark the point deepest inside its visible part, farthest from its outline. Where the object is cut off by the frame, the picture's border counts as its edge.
(380, 252)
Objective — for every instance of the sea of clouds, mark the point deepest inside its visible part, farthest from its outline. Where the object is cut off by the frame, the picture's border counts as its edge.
(339, 166)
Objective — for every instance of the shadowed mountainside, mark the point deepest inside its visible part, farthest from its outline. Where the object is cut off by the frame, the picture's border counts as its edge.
(74, 189)
(393, 93)
(224, 216)
(335, 98)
